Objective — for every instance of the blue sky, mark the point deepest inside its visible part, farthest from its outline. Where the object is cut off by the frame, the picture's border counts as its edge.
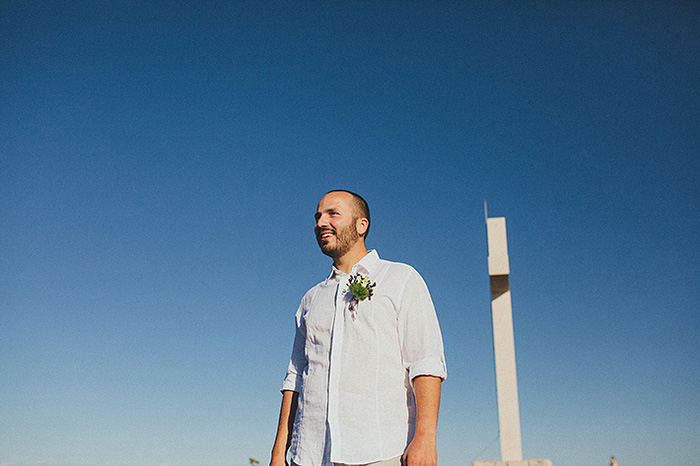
(160, 164)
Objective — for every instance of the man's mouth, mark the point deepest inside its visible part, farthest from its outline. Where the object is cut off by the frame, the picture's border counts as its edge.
(325, 234)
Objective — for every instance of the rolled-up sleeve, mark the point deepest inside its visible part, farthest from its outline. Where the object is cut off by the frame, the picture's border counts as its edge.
(298, 360)
(420, 338)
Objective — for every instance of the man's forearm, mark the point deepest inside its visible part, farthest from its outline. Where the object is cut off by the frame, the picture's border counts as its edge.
(427, 391)
(284, 426)
(422, 450)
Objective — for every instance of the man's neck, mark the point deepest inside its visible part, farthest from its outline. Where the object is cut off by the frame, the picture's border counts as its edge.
(350, 258)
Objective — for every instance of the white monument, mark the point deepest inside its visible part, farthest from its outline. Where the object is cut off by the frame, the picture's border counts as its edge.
(504, 350)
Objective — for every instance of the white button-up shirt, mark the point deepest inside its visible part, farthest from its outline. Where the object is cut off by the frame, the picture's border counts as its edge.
(353, 370)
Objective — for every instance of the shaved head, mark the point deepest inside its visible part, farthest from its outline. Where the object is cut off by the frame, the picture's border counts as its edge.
(361, 206)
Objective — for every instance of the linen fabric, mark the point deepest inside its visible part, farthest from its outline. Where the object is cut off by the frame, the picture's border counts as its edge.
(392, 462)
(353, 370)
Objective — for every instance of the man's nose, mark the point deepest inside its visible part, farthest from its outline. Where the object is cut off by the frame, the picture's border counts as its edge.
(322, 221)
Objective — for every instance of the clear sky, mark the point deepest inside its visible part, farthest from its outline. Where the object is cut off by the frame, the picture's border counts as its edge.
(160, 165)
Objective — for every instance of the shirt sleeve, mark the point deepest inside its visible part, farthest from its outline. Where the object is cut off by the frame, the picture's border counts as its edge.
(419, 331)
(298, 360)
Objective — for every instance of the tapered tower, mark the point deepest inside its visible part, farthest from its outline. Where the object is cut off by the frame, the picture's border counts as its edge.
(504, 349)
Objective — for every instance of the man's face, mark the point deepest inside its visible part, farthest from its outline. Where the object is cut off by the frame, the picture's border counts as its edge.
(336, 224)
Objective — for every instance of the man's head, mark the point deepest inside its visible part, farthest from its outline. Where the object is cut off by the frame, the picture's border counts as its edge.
(342, 222)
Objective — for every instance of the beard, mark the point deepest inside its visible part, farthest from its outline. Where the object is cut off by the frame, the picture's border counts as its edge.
(344, 240)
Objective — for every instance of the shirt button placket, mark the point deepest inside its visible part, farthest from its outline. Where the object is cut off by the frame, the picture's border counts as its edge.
(335, 376)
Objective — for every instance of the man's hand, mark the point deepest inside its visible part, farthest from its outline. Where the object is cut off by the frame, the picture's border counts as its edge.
(422, 451)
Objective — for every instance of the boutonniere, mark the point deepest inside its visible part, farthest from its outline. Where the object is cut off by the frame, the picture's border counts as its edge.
(361, 288)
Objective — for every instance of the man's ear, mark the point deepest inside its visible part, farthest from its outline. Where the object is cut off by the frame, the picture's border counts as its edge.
(361, 224)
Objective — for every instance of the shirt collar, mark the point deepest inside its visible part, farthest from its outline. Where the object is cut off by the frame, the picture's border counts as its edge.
(365, 266)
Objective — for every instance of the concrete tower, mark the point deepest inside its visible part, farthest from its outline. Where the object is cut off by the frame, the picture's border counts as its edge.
(503, 341)
(504, 350)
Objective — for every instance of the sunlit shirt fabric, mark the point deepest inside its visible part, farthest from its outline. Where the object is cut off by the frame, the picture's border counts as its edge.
(353, 370)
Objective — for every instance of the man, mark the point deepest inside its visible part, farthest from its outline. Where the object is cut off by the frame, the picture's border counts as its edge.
(363, 383)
